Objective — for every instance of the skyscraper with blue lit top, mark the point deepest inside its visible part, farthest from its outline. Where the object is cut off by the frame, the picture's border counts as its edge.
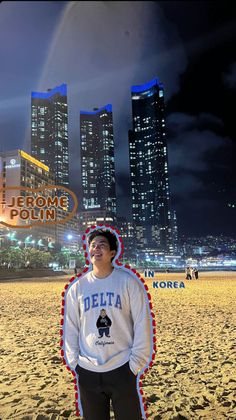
(151, 208)
(97, 159)
(49, 131)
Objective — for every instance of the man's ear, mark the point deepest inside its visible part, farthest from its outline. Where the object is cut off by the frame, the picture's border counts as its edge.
(113, 253)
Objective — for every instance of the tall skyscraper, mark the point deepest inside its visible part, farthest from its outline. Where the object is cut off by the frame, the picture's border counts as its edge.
(97, 160)
(49, 131)
(149, 168)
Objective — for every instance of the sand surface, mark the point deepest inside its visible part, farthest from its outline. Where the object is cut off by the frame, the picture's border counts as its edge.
(193, 377)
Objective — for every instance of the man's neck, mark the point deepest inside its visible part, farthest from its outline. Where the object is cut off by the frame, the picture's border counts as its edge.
(102, 272)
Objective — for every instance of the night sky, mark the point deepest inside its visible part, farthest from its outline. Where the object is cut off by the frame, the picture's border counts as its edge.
(100, 49)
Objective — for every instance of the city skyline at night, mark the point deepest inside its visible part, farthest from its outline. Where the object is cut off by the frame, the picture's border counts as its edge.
(187, 45)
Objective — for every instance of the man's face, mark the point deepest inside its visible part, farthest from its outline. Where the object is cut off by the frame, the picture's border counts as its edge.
(100, 252)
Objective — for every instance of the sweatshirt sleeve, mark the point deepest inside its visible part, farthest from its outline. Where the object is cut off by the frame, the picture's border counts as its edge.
(71, 328)
(142, 343)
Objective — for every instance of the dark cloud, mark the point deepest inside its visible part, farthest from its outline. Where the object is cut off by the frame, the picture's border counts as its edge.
(189, 147)
(179, 121)
(185, 184)
(229, 77)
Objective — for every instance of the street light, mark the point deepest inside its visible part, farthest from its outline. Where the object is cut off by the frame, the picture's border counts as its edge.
(40, 243)
(27, 239)
(11, 236)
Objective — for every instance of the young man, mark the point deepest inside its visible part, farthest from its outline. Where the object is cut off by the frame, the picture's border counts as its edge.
(110, 300)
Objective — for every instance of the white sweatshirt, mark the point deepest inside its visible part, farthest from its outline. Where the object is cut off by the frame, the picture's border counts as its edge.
(107, 323)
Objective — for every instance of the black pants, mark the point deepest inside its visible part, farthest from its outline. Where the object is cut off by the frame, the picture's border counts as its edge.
(117, 386)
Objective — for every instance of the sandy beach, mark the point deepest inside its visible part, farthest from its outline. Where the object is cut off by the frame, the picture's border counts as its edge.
(193, 376)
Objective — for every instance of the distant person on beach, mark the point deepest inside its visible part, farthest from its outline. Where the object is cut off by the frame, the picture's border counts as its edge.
(192, 273)
(75, 270)
(188, 274)
(196, 273)
(111, 301)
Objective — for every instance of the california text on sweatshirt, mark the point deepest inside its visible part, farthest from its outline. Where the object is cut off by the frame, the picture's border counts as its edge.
(107, 323)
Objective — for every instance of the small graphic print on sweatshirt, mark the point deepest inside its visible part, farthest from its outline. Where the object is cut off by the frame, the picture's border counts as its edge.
(103, 324)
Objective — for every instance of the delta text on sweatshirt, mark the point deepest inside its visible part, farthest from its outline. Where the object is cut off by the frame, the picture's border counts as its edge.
(107, 323)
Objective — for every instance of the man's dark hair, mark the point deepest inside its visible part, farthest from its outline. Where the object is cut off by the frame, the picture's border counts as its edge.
(107, 234)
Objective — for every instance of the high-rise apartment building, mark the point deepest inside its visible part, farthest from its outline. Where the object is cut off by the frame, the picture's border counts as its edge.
(97, 160)
(149, 168)
(19, 169)
(127, 231)
(49, 131)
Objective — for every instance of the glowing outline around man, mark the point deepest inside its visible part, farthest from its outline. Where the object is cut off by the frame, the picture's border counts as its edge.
(116, 264)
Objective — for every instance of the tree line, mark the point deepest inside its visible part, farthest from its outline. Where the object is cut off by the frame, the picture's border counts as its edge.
(13, 257)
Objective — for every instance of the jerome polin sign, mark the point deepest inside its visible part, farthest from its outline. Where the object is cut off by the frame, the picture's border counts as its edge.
(26, 207)
(37, 206)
